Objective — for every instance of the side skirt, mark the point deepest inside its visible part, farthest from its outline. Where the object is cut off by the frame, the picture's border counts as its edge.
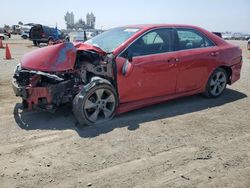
(126, 107)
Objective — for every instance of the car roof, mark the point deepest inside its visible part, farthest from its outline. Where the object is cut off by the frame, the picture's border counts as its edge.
(146, 27)
(152, 26)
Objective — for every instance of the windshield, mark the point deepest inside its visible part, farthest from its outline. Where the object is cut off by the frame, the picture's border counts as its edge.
(111, 39)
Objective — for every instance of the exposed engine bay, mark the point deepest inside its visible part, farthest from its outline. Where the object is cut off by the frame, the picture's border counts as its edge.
(47, 90)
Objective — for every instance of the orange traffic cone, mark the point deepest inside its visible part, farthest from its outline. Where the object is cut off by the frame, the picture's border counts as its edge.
(7, 52)
(1, 43)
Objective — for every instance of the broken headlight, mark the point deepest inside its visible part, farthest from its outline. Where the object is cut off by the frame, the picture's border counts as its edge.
(17, 69)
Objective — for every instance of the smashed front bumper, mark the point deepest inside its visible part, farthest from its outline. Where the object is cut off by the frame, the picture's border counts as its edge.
(35, 97)
(39, 90)
(19, 91)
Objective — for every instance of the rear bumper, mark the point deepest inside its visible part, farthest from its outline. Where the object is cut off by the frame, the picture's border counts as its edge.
(236, 72)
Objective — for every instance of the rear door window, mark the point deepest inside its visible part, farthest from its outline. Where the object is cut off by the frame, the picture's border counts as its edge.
(191, 39)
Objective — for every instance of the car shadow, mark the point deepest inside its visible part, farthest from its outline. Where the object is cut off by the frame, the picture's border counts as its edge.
(63, 118)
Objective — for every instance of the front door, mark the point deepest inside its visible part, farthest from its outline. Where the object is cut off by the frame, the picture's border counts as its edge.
(154, 70)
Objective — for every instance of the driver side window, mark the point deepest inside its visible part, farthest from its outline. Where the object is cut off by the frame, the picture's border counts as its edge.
(152, 38)
(154, 42)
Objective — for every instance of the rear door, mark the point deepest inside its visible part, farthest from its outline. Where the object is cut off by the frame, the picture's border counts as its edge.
(196, 54)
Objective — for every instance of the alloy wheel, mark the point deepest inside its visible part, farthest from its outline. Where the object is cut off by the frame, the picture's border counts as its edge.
(99, 105)
(218, 83)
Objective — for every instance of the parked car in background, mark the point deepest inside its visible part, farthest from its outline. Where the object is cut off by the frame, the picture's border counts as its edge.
(25, 34)
(90, 34)
(4, 34)
(227, 36)
(80, 37)
(247, 37)
(3, 37)
(238, 36)
(248, 44)
(25, 29)
(16, 30)
(127, 68)
(44, 34)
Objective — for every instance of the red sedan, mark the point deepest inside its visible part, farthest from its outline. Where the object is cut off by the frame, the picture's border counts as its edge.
(127, 68)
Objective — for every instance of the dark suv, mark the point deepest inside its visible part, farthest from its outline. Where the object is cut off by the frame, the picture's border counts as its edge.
(44, 34)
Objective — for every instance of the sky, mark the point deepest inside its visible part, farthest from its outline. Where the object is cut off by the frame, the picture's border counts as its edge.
(214, 15)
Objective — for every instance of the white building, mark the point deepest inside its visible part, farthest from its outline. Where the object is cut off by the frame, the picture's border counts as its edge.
(90, 20)
(69, 19)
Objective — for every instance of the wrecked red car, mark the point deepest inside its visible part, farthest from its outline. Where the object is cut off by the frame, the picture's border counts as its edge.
(126, 68)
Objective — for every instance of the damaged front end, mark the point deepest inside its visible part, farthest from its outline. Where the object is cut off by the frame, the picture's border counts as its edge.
(54, 75)
(41, 90)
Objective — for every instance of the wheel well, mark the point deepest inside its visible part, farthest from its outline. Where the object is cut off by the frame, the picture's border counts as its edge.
(50, 38)
(229, 73)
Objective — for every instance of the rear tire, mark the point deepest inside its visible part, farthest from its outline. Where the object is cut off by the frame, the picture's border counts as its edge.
(96, 105)
(35, 43)
(217, 83)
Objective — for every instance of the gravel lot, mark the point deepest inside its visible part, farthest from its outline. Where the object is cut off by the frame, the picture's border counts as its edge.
(188, 142)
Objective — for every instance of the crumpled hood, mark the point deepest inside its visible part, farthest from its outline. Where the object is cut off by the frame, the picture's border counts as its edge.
(85, 46)
(59, 57)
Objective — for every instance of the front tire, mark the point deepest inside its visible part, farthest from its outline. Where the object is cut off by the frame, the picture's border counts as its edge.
(50, 42)
(96, 105)
(25, 104)
(217, 83)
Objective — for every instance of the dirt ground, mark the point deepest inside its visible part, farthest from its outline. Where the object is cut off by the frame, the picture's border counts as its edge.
(188, 142)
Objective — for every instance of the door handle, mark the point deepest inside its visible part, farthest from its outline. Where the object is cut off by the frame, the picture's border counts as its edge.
(173, 59)
(215, 53)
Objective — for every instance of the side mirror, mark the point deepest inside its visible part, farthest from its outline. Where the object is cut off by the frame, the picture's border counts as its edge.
(127, 68)
(128, 55)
